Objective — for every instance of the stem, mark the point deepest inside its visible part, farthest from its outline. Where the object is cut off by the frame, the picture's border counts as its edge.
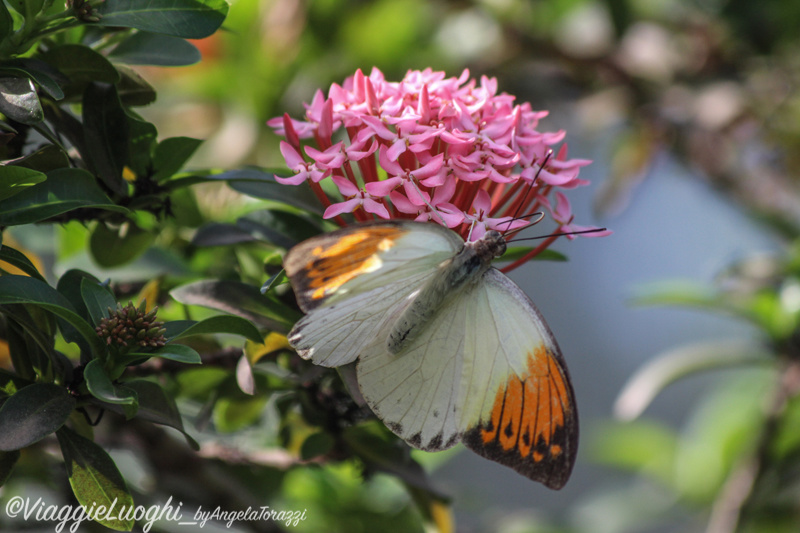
(727, 511)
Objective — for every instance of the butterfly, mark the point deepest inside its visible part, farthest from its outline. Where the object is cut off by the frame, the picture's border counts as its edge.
(447, 348)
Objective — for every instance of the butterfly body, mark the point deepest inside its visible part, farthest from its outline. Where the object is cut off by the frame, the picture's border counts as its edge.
(448, 349)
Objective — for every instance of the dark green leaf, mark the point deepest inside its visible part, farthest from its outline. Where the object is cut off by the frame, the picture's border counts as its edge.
(81, 64)
(145, 48)
(6, 22)
(171, 154)
(94, 478)
(25, 290)
(278, 279)
(19, 101)
(26, 8)
(233, 325)
(19, 260)
(278, 227)
(516, 252)
(45, 159)
(103, 389)
(238, 299)
(190, 19)
(33, 413)
(133, 89)
(260, 184)
(142, 143)
(106, 130)
(112, 248)
(97, 299)
(66, 189)
(43, 74)
(173, 352)
(17, 179)
(157, 406)
(7, 461)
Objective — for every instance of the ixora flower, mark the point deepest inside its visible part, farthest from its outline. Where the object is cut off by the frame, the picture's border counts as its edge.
(431, 148)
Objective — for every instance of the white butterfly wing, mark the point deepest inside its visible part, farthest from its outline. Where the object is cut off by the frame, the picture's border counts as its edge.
(486, 371)
(351, 283)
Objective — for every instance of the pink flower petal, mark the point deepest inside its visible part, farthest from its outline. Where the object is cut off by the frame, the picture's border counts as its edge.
(376, 208)
(383, 187)
(293, 159)
(348, 206)
(345, 186)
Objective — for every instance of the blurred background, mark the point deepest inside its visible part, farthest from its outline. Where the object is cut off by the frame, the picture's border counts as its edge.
(677, 329)
(690, 112)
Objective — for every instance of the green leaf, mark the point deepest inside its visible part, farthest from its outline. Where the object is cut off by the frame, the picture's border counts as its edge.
(145, 48)
(260, 184)
(19, 101)
(315, 445)
(157, 406)
(190, 19)
(17, 179)
(233, 325)
(43, 160)
(106, 130)
(19, 260)
(25, 290)
(174, 352)
(133, 89)
(40, 72)
(516, 252)
(33, 413)
(142, 142)
(646, 446)
(26, 8)
(675, 364)
(171, 154)
(279, 227)
(81, 64)
(94, 478)
(111, 248)
(97, 299)
(218, 234)
(6, 22)
(64, 190)
(7, 462)
(238, 299)
(103, 389)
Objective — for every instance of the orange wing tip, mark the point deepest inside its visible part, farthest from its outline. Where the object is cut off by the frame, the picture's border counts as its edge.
(334, 260)
(533, 424)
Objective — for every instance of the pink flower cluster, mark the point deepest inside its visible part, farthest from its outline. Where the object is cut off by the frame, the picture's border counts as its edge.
(431, 148)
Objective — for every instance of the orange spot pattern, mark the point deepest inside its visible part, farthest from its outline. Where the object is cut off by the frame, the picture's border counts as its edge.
(530, 407)
(334, 265)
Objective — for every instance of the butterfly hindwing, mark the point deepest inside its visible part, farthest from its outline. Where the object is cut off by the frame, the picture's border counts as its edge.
(486, 371)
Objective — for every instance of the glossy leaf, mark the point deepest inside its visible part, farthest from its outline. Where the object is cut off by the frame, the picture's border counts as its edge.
(19, 260)
(64, 190)
(114, 247)
(190, 19)
(94, 478)
(43, 160)
(33, 413)
(134, 90)
(238, 299)
(97, 299)
(25, 290)
(145, 48)
(159, 407)
(142, 142)
(230, 324)
(26, 8)
(279, 227)
(106, 130)
(43, 74)
(171, 154)
(17, 179)
(516, 252)
(172, 351)
(19, 101)
(218, 234)
(260, 184)
(81, 64)
(103, 389)
(6, 22)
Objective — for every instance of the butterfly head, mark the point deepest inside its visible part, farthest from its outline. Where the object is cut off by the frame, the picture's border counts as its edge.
(490, 246)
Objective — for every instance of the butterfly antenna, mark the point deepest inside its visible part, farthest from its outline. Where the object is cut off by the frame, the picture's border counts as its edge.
(539, 216)
(562, 234)
(516, 216)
